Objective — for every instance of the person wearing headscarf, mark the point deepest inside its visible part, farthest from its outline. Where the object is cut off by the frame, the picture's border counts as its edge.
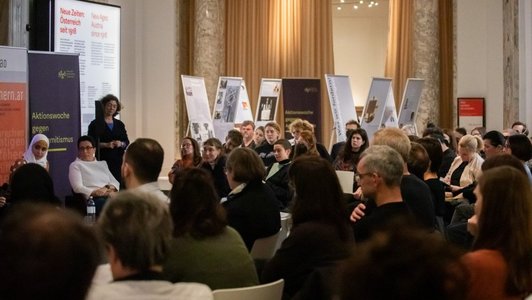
(37, 151)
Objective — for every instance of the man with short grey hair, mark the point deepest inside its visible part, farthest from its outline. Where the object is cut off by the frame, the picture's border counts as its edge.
(137, 229)
(380, 171)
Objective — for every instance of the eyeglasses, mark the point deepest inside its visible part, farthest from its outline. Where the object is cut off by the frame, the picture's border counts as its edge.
(359, 176)
(85, 148)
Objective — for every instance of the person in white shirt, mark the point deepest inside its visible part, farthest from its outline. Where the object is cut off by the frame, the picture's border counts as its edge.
(142, 164)
(137, 230)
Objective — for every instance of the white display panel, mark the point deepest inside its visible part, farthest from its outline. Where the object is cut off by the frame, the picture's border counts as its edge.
(93, 31)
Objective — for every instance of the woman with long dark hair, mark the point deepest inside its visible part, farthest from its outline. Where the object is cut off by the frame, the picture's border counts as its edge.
(357, 142)
(321, 235)
(205, 249)
(190, 157)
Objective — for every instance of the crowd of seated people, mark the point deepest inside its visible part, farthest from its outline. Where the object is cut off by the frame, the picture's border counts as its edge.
(199, 238)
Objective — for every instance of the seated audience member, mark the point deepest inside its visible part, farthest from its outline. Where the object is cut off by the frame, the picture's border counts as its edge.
(418, 160)
(277, 174)
(90, 177)
(478, 131)
(493, 143)
(258, 136)
(459, 132)
(298, 126)
(500, 264)
(336, 148)
(414, 192)
(404, 264)
(320, 236)
(433, 148)
(46, 253)
(5, 189)
(466, 167)
(37, 151)
(214, 163)
(380, 170)
(520, 127)
(247, 129)
(308, 139)
(32, 183)
(204, 248)
(272, 132)
(457, 232)
(519, 145)
(451, 138)
(233, 140)
(447, 148)
(348, 157)
(142, 165)
(190, 157)
(251, 207)
(137, 229)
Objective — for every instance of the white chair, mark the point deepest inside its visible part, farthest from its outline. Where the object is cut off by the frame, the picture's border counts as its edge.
(265, 248)
(269, 291)
(286, 225)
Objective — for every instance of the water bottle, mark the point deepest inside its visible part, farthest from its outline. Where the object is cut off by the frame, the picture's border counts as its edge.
(91, 211)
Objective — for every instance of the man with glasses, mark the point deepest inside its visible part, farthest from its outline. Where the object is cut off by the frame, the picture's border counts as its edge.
(380, 170)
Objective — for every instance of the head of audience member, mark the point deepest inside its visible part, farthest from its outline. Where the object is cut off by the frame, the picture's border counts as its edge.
(434, 151)
(504, 159)
(459, 132)
(318, 197)
(504, 213)
(388, 267)
(520, 128)
(519, 145)
(281, 150)
(431, 129)
(136, 229)
(479, 131)
(395, 138)
(190, 148)
(418, 160)
(493, 143)
(51, 249)
(86, 148)
(195, 206)
(358, 141)
(247, 129)
(451, 138)
(142, 163)
(37, 151)
(352, 124)
(300, 150)
(110, 105)
(31, 182)
(299, 125)
(469, 146)
(233, 140)
(212, 150)
(258, 135)
(380, 168)
(308, 139)
(243, 165)
(272, 132)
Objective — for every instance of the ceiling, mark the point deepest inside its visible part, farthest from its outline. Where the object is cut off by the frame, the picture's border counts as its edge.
(363, 10)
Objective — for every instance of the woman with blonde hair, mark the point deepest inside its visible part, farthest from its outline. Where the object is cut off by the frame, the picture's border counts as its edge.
(501, 262)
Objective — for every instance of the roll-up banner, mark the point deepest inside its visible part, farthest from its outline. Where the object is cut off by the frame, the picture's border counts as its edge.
(243, 111)
(199, 113)
(373, 113)
(13, 107)
(342, 104)
(268, 102)
(225, 106)
(55, 110)
(410, 102)
(302, 99)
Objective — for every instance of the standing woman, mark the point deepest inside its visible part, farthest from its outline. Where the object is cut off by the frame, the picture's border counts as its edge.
(190, 157)
(349, 156)
(501, 263)
(37, 151)
(110, 135)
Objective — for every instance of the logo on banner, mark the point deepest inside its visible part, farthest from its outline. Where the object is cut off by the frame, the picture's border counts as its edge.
(66, 74)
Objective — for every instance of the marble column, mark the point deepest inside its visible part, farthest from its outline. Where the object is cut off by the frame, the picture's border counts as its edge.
(425, 60)
(209, 45)
(511, 62)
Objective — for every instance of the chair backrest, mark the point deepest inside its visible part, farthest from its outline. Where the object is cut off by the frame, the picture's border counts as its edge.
(269, 291)
(265, 248)
(286, 225)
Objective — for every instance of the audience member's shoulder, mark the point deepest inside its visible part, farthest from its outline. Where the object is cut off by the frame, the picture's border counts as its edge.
(150, 290)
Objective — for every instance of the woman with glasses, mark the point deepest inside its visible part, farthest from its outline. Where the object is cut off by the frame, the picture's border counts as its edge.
(190, 157)
(90, 177)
